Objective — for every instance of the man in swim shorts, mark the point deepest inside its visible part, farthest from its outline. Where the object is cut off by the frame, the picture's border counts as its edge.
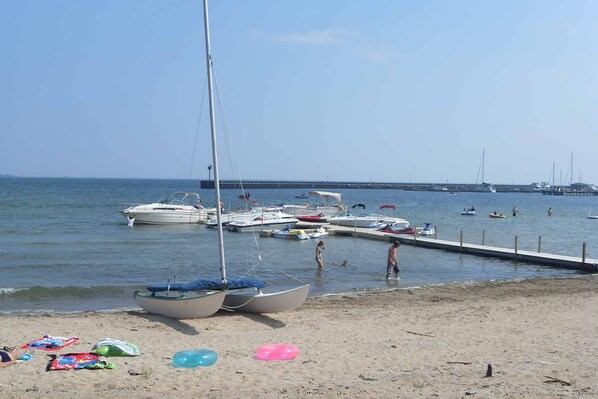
(391, 261)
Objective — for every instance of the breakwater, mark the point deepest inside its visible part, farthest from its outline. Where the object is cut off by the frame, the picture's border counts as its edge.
(339, 185)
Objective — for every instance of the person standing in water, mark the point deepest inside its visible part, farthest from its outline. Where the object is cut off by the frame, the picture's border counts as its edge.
(391, 261)
(549, 211)
(319, 248)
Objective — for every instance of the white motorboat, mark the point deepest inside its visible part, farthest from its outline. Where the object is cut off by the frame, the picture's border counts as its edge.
(179, 207)
(365, 220)
(263, 221)
(468, 212)
(330, 206)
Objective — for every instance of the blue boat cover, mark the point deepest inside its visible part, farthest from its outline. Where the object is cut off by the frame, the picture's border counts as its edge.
(209, 284)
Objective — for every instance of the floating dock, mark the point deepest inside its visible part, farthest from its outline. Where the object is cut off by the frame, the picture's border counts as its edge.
(513, 254)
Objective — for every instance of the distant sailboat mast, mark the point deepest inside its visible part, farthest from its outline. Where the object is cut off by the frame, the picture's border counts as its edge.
(483, 163)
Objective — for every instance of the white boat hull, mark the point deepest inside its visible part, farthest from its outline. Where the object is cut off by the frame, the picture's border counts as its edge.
(164, 216)
(367, 222)
(180, 207)
(181, 307)
(259, 226)
(283, 301)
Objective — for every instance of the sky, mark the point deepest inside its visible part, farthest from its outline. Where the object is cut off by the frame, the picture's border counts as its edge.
(337, 90)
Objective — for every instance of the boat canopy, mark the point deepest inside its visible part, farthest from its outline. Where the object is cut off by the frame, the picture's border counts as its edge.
(209, 284)
(326, 195)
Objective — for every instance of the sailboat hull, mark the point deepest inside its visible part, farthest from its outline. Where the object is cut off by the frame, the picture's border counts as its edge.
(283, 301)
(183, 306)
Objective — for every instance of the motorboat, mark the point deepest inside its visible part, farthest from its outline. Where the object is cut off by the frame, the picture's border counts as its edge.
(590, 216)
(244, 216)
(360, 218)
(469, 212)
(497, 215)
(179, 207)
(428, 230)
(245, 196)
(319, 218)
(264, 221)
(302, 196)
(330, 205)
(398, 228)
(290, 234)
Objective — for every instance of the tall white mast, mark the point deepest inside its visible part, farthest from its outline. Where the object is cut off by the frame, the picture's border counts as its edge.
(214, 151)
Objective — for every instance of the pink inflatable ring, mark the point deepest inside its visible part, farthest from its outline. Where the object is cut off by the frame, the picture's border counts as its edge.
(276, 352)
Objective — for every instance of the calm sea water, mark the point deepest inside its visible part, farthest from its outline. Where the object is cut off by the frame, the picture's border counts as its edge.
(65, 247)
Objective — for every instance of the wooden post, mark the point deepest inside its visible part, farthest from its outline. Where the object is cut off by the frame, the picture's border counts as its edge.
(515, 247)
(539, 244)
(435, 232)
(483, 237)
(461, 241)
(415, 237)
(583, 253)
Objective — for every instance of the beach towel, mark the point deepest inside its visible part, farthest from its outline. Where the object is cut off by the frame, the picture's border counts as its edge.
(50, 343)
(114, 347)
(77, 361)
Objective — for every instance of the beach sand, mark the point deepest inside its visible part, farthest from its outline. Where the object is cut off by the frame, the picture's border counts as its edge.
(433, 342)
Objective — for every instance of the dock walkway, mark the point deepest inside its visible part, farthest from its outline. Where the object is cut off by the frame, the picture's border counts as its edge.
(562, 261)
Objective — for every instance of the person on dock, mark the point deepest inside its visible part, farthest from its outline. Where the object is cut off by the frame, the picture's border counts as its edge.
(391, 261)
(514, 211)
(549, 211)
(319, 248)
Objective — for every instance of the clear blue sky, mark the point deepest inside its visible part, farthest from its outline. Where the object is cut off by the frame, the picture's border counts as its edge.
(375, 90)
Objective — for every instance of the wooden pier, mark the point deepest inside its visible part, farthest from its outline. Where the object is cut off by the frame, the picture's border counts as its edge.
(513, 254)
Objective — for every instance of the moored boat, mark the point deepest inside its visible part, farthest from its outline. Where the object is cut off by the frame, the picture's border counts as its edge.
(428, 230)
(179, 207)
(290, 234)
(265, 221)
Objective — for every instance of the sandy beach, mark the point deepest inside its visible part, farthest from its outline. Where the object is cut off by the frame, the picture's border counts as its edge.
(433, 342)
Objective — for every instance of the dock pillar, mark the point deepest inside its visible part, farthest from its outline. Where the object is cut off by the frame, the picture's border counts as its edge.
(483, 237)
(461, 241)
(435, 232)
(539, 244)
(516, 248)
(583, 253)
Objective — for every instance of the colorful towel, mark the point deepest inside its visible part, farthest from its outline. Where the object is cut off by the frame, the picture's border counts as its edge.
(114, 347)
(49, 343)
(76, 361)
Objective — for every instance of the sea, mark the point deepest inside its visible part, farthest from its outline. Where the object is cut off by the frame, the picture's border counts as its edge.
(64, 246)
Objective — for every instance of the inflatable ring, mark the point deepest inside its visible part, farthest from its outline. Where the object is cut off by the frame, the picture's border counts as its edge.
(193, 358)
(276, 352)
